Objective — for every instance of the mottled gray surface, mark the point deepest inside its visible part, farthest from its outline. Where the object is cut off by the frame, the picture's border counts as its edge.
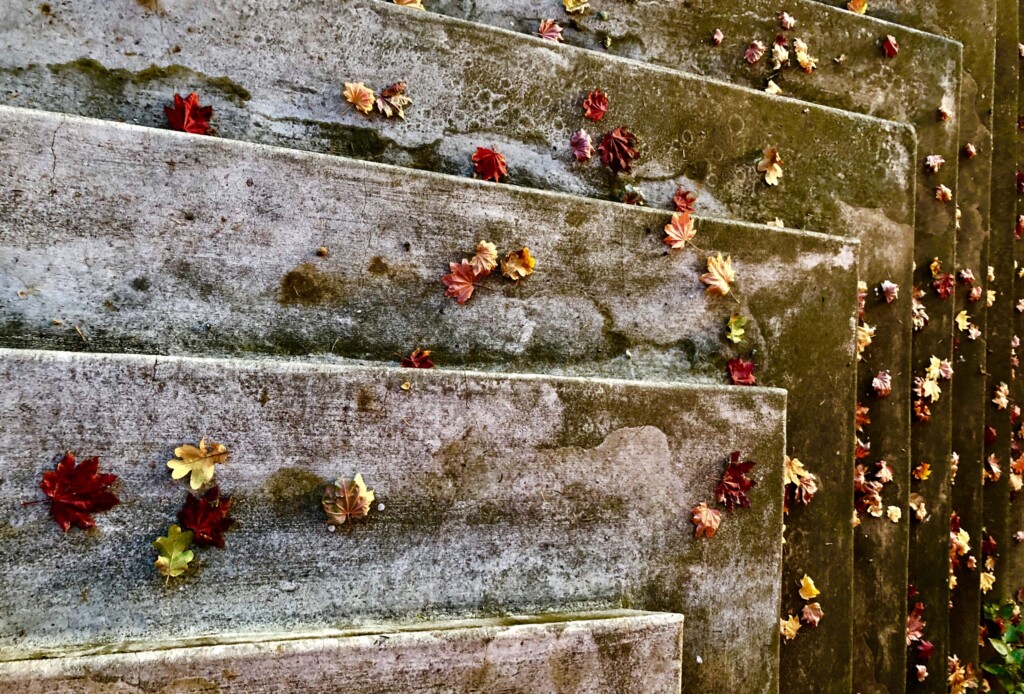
(502, 495)
(619, 652)
(146, 278)
(514, 92)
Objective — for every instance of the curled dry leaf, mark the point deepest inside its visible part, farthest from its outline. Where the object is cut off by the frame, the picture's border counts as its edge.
(78, 491)
(803, 57)
(891, 291)
(808, 591)
(460, 281)
(207, 517)
(679, 230)
(187, 116)
(174, 554)
(618, 150)
(684, 200)
(197, 462)
(770, 165)
(717, 38)
(576, 6)
(890, 47)
(705, 520)
(921, 673)
(419, 359)
(858, 6)
(772, 88)
(970, 151)
(933, 163)
(731, 490)
(861, 417)
(595, 105)
(360, 96)
(915, 624)
(943, 194)
(414, 4)
(922, 472)
(742, 372)
(780, 55)
(865, 333)
(986, 580)
(788, 628)
(486, 258)
(786, 21)
(894, 513)
(1002, 394)
(944, 284)
(347, 499)
(489, 164)
(755, 51)
(736, 328)
(719, 276)
(582, 145)
(882, 384)
(393, 100)
(518, 264)
(812, 614)
(550, 31)
(632, 195)
(884, 474)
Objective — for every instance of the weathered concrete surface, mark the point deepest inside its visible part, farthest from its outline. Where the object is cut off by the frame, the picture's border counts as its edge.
(520, 94)
(616, 652)
(910, 89)
(501, 495)
(146, 278)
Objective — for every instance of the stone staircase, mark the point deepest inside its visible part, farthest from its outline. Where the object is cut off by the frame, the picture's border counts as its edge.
(534, 531)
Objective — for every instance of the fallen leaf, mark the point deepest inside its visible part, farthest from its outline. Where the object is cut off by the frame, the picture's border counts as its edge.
(550, 30)
(731, 491)
(755, 51)
(207, 517)
(188, 116)
(993, 469)
(812, 614)
(922, 472)
(632, 195)
(618, 150)
(861, 417)
(808, 591)
(789, 627)
(78, 491)
(865, 333)
(199, 462)
(986, 579)
(719, 276)
(944, 285)
(970, 151)
(460, 281)
(915, 624)
(174, 553)
(347, 499)
(858, 6)
(489, 165)
(1002, 394)
(882, 384)
(921, 672)
(894, 513)
(884, 474)
(684, 200)
(890, 46)
(582, 145)
(679, 230)
(414, 4)
(772, 88)
(918, 506)
(706, 520)
(943, 194)
(575, 6)
(360, 96)
(890, 290)
(741, 372)
(518, 264)
(486, 258)
(736, 326)
(392, 101)
(786, 21)
(595, 105)
(419, 359)
(918, 313)
(780, 55)
(933, 162)
(770, 165)
(943, 113)
(962, 320)
(717, 38)
(803, 57)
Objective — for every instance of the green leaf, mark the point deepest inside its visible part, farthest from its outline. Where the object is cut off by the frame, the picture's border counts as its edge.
(174, 552)
(999, 647)
(736, 327)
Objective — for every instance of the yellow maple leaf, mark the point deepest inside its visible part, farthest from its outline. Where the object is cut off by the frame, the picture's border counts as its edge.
(719, 275)
(518, 264)
(987, 580)
(414, 4)
(894, 513)
(197, 461)
(858, 6)
(486, 258)
(770, 165)
(360, 96)
(934, 369)
(1002, 392)
(962, 319)
(572, 6)
(922, 471)
(865, 333)
(793, 470)
(930, 389)
(807, 589)
(789, 627)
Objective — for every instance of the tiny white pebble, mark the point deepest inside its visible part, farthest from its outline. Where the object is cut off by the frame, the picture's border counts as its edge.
(330, 528)
(380, 507)
(700, 661)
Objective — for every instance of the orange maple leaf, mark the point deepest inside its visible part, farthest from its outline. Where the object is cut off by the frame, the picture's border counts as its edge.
(706, 520)
(360, 96)
(460, 281)
(679, 230)
(719, 275)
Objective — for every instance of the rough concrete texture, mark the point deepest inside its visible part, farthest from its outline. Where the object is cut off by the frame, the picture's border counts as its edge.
(852, 74)
(500, 495)
(273, 72)
(166, 276)
(621, 652)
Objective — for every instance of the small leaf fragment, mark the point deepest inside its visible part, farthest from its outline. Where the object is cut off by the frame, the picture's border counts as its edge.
(393, 100)
(419, 359)
(890, 47)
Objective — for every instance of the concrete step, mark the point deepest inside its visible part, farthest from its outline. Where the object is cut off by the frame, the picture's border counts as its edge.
(852, 74)
(165, 275)
(498, 495)
(587, 653)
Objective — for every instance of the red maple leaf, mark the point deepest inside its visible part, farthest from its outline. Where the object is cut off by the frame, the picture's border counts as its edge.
(460, 281)
(741, 372)
(890, 46)
(419, 359)
(489, 165)
(77, 492)
(188, 116)
(618, 150)
(732, 490)
(685, 200)
(944, 284)
(595, 105)
(925, 649)
(207, 517)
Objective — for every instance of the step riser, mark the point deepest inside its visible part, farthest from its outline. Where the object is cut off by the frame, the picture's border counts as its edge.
(501, 494)
(634, 652)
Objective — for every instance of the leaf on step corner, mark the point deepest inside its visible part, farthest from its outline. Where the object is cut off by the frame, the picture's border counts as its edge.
(187, 116)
